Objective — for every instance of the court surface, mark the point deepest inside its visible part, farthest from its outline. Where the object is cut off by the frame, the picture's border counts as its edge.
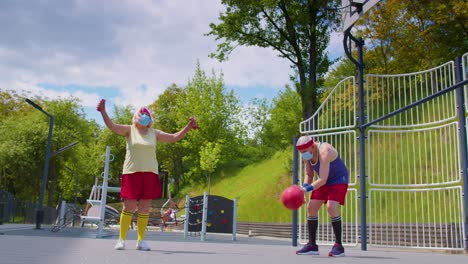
(24, 244)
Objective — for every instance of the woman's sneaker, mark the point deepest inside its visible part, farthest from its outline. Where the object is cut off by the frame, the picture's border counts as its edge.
(308, 249)
(141, 245)
(120, 245)
(337, 251)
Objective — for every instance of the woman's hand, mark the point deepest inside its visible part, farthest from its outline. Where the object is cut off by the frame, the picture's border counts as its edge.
(101, 107)
(193, 123)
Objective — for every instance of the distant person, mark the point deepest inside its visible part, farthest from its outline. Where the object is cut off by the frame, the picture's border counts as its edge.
(330, 188)
(173, 214)
(166, 217)
(140, 178)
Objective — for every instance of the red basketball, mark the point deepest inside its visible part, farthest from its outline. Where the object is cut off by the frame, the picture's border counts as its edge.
(293, 197)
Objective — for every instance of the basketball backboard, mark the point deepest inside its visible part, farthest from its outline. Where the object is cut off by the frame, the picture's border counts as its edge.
(353, 10)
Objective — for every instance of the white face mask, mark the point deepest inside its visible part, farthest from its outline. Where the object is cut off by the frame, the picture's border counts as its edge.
(307, 155)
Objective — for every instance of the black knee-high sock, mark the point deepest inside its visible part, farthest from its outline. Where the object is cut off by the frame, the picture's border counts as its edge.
(336, 223)
(312, 225)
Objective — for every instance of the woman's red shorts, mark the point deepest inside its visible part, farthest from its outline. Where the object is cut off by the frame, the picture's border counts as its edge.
(140, 186)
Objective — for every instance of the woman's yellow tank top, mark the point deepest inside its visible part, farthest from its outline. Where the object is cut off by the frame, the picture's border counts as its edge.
(140, 152)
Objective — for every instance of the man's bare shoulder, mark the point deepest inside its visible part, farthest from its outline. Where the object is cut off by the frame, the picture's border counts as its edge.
(328, 152)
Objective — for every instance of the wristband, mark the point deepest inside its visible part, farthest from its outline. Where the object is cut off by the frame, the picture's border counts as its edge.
(307, 187)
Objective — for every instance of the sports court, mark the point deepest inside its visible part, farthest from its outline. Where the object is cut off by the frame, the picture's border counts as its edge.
(403, 198)
(24, 244)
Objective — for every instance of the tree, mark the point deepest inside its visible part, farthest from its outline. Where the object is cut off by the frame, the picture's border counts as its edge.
(165, 111)
(284, 119)
(70, 126)
(22, 150)
(343, 69)
(409, 36)
(22, 153)
(298, 30)
(209, 158)
(255, 115)
(216, 111)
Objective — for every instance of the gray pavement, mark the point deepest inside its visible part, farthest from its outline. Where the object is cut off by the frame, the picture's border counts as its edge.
(24, 244)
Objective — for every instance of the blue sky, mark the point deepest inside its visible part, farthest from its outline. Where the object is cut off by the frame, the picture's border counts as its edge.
(125, 51)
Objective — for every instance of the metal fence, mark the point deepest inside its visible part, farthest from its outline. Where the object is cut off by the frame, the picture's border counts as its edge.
(13, 210)
(413, 160)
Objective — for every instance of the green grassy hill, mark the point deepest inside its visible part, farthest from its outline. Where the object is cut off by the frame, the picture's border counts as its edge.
(257, 187)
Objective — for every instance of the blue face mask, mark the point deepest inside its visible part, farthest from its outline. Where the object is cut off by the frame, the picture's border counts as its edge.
(144, 120)
(307, 155)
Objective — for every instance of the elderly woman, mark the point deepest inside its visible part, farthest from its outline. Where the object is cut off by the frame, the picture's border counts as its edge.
(140, 179)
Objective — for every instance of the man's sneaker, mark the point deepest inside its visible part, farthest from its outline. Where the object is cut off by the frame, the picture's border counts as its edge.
(120, 245)
(337, 251)
(308, 249)
(141, 245)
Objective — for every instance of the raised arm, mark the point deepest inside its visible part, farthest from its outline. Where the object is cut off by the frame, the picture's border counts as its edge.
(167, 137)
(123, 130)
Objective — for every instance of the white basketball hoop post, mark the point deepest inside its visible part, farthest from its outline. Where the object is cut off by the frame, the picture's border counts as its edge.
(352, 10)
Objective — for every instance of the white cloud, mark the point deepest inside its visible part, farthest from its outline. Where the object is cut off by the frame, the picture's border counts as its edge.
(254, 66)
(87, 99)
(137, 46)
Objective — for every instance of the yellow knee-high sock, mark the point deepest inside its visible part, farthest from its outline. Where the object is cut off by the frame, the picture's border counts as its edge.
(142, 222)
(125, 221)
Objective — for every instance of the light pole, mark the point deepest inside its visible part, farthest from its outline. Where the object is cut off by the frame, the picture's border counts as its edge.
(40, 209)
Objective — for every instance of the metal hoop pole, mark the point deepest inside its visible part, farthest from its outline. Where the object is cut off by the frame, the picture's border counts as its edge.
(187, 216)
(104, 195)
(234, 219)
(204, 216)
